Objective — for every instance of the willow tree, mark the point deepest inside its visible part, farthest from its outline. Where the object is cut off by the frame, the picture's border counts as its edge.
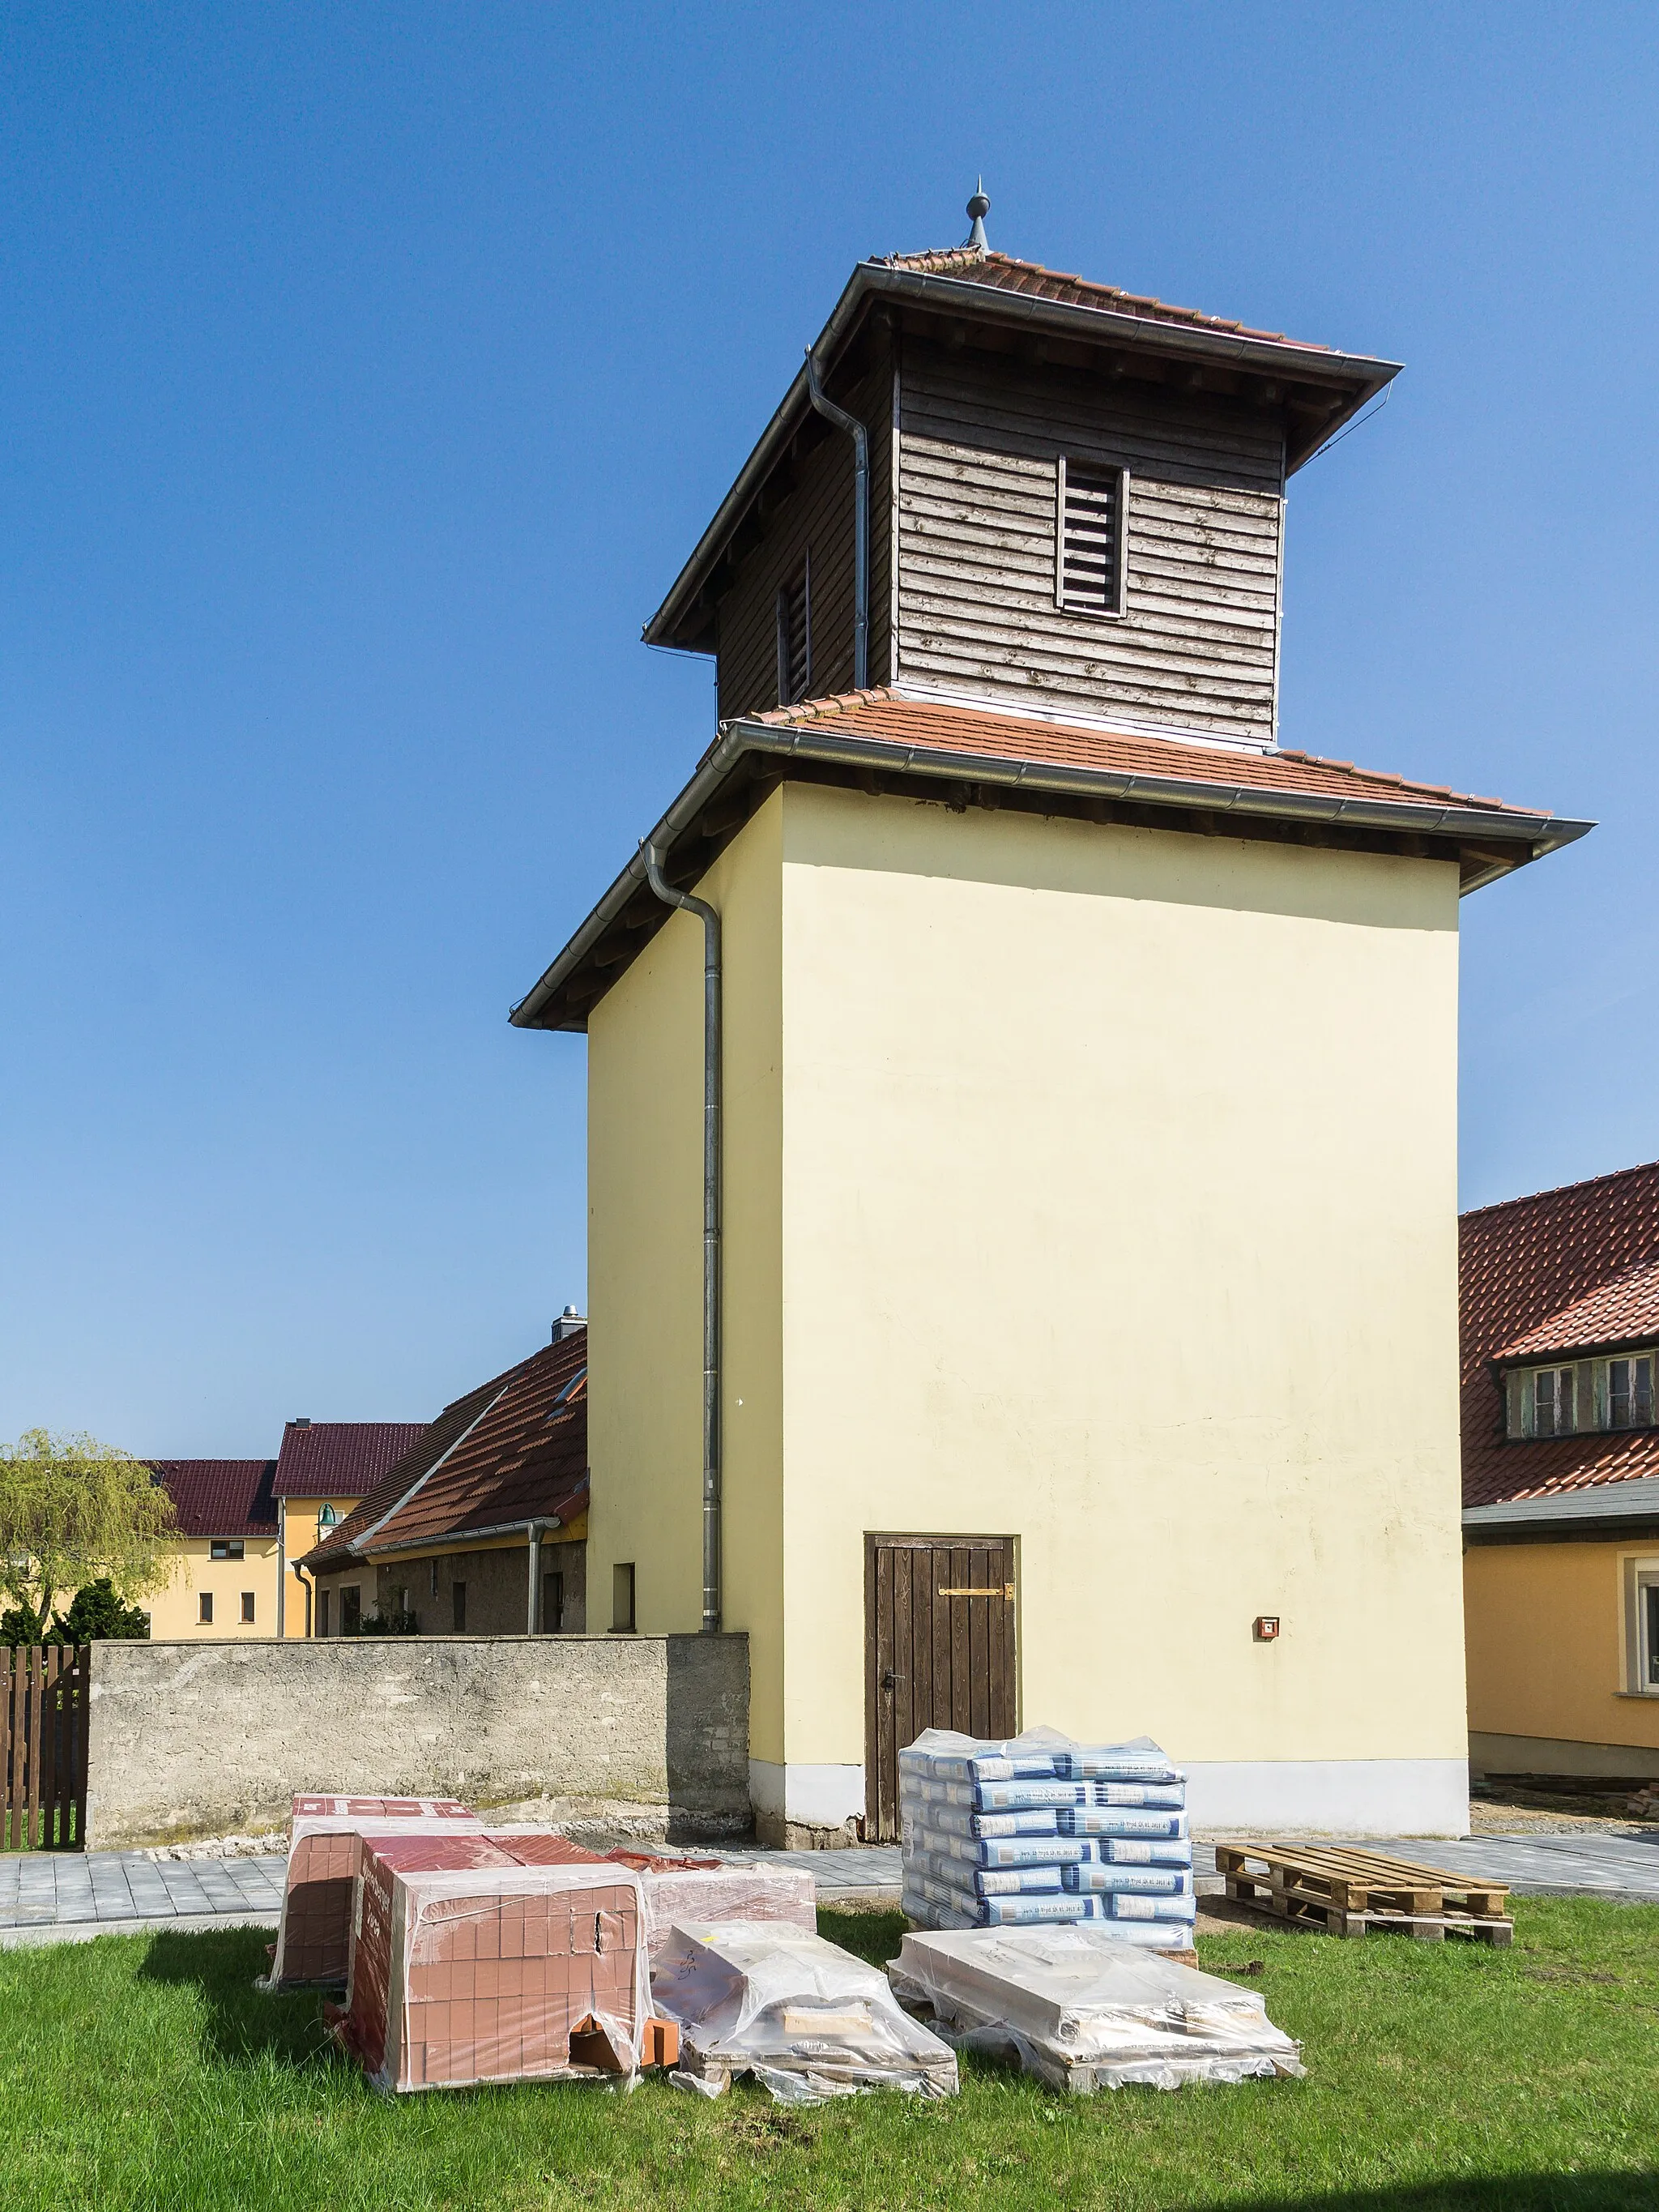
(73, 1510)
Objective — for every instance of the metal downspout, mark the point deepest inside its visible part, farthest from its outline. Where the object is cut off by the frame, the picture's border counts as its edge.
(306, 1586)
(711, 1229)
(532, 1622)
(860, 437)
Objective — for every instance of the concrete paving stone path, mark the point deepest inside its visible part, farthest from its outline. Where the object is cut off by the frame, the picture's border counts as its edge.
(65, 1896)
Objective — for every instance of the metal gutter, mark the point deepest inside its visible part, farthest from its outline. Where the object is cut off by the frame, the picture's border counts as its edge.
(457, 1540)
(1636, 1498)
(1104, 326)
(817, 741)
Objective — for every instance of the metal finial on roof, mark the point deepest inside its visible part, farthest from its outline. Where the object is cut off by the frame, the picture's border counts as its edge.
(979, 207)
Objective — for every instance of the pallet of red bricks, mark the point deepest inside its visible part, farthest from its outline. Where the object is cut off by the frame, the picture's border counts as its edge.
(677, 1890)
(517, 1958)
(325, 1836)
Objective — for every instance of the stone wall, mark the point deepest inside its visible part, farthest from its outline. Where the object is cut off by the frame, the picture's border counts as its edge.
(646, 1733)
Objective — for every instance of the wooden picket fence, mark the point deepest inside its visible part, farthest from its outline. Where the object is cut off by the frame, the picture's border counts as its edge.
(44, 1697)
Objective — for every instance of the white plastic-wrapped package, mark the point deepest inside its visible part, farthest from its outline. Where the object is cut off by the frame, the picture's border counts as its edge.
(805, 2017)
(682, 1890)
(1084, 2009)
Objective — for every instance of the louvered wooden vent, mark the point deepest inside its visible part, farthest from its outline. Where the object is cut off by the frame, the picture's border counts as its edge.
(795, 636)
(1089, 556)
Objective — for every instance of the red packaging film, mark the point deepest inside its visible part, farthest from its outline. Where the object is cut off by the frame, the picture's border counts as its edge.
(469, 1964)
(677, 1890)
(314, 1935)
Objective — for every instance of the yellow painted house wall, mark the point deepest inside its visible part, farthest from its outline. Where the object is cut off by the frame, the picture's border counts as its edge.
(1090, 1185)
(1546, 1660)
(302, 1532)
(644, 1271)
(172, 1611)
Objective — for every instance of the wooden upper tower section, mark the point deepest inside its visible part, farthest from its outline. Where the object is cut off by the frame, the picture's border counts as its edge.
(1075, 504)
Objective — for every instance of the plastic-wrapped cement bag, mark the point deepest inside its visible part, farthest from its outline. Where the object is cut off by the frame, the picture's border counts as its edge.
(1083, 2009)
(805, 2017)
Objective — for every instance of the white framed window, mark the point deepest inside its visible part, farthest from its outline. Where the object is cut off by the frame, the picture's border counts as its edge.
(1627, 1393)
(1642, 1627)
(1544, 1403)
(1092, 509)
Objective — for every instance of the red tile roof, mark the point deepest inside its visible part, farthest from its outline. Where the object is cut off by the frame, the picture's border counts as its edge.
(1003, 273)
(894, 719)
(340, 1459)
(1565, 1271)
(221, 1497)
(516, 1449)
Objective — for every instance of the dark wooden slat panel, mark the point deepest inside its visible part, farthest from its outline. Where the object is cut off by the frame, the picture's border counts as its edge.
(37, 1727)
(961, 1694)
(888, 1748)
(906, 1727)
(872, 1701)
(922, 1640)
(17, 1769)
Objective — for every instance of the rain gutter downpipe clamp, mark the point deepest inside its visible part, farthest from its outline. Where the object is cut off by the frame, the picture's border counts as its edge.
(860, 437)
(711, 1224)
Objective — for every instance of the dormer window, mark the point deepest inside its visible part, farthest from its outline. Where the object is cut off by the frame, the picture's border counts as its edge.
(1091, 504)
(1587, 1396)
(1629, 1392)
(1544, 1403)
(795, 636)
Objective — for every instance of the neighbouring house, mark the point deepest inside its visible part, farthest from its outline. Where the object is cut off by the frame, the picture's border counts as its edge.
(323, 1469)
(227, 1575)
(1560, 1325)
(480, 1529)
(1022, 1172)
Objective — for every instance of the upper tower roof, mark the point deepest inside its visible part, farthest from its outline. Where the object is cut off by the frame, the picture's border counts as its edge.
(1037, 317)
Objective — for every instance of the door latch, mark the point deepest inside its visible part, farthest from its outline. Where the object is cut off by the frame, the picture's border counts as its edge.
(890, 1680)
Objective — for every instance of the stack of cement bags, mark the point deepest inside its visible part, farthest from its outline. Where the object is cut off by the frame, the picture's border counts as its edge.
(1040, 1829)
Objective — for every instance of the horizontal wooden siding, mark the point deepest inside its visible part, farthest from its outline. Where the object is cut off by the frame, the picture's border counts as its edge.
(1196, 646)
(817, 513)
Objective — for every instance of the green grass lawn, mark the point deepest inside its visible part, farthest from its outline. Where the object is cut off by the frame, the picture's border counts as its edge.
(142, 2074)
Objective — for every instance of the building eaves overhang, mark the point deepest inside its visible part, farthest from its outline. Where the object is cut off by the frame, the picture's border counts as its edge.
(1627, 1508)
(751, 757)
(1346, 382)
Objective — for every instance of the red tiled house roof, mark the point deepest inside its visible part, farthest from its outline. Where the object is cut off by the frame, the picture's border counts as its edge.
(1567, 1272)
(513, 1450)
(891, 719)
(1001, 273)
(340, 1459)
(881, 740)
(221, 1497)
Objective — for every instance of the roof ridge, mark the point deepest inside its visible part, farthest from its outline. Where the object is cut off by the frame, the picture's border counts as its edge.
(1558, 1190)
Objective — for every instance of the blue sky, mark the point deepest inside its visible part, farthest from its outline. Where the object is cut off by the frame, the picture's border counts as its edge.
(368, 373)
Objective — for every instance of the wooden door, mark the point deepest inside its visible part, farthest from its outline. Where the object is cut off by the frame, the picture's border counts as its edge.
(939, 1651)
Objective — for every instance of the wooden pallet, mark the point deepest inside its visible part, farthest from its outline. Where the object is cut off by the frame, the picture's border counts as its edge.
(1349, 1893)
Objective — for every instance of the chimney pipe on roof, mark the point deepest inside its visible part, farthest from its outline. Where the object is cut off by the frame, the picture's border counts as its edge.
(300, 1421)
(568, 1324)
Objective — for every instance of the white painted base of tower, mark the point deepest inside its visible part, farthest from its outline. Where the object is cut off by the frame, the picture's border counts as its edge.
(1329, 1796)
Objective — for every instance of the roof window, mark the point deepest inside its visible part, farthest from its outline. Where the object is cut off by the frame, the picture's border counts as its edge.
(1092, 503)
